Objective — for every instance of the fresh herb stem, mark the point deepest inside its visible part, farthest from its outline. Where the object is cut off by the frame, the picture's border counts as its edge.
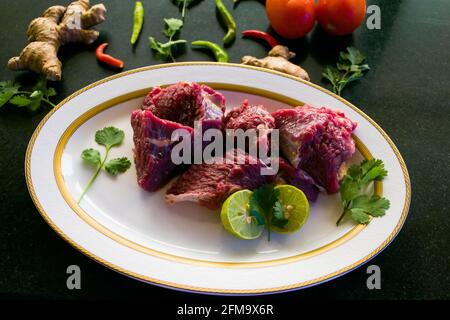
(108, 137)
(95, 175)
(183, 11)
(344, 212)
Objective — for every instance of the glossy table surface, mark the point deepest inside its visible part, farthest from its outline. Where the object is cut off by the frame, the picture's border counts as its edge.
(407, 91)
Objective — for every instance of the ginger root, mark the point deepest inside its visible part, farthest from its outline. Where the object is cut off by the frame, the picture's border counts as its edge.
(278, 59)
(57, 26)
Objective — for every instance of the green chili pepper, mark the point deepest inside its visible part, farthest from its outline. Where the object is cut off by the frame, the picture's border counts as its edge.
(228, 20)
(138, 21)
(219, 53)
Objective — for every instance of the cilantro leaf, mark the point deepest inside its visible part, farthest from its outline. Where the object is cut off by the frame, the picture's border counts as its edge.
(372, 170)
(332, 74)
(278, 215)
(360, 217)
(373, 205)
(91, 156)
(7, 90)
(264, 207)
(117, 165)
(10, 93)
(109, 137)
(353, 191)
(353, 55)
(349, 68)
(20, 100)
(172, 26)
(164, 50)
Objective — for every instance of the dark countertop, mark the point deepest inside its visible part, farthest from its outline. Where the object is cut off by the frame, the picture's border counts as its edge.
(407, 92)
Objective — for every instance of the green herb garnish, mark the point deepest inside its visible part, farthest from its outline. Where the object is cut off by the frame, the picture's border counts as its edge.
(349, 68)
(108, 137)
(266, 208)
(354, 196)
(10, 92)
(164, 50)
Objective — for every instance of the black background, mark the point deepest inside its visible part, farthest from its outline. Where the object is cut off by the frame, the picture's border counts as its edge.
(406, 91)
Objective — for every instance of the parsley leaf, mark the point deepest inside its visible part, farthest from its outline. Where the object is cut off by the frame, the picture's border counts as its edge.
(117, 165)
(353, 192)
(10, 92)
(108, 137)
(349, 68)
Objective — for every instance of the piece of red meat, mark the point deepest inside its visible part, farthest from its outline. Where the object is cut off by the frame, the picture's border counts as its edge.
(187, 102)
(257, 117)
(163, 111)
(210, 184)
(317, 140)
(152, 148)
(247, 117)
(298, 178)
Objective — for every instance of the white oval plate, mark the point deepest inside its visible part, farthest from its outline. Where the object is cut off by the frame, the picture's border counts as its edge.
(184, 246)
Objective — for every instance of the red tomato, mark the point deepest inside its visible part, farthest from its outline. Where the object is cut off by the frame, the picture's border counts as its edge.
(340, 17)
(291, 19)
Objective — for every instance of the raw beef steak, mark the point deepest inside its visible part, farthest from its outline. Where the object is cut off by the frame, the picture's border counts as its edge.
(317, 140)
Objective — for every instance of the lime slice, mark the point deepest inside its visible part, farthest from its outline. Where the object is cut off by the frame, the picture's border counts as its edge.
(236, 218)
(295, 208)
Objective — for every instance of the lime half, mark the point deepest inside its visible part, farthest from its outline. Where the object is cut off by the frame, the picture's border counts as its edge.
(236, 218)
(295, 208)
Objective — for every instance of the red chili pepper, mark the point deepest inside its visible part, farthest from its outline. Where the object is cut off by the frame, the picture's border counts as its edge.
(106, 58)
(257, 34)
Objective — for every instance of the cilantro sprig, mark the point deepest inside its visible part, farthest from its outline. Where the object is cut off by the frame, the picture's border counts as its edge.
(13, 93)
(357, 203)
(266, 207)
(108, 137)
(164, 50)
(350, 68)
